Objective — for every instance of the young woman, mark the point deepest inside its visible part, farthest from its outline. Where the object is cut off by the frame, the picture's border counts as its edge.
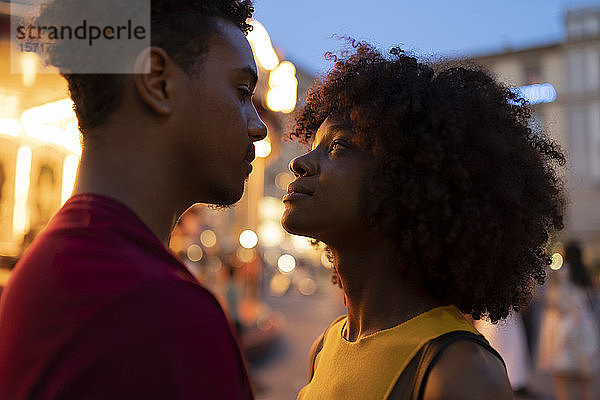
(435, 199)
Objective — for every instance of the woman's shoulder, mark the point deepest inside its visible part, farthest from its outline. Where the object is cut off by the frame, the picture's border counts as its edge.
(466, 370)
(338, 319)
(317, 346)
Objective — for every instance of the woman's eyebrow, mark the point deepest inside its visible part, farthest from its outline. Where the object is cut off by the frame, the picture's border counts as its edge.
(338, 128)
(332, 130)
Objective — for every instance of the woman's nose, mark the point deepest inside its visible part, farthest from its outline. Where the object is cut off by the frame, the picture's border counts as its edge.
(302, 166)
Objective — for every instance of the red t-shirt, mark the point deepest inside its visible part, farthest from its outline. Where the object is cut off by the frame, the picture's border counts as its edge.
(97, 308)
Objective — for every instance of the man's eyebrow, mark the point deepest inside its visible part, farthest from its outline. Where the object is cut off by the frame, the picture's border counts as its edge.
(249, 71)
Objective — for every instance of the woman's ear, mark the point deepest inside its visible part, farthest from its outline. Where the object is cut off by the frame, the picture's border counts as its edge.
(153, 71)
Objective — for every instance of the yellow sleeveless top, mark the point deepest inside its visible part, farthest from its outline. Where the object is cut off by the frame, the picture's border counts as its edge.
(370, 367)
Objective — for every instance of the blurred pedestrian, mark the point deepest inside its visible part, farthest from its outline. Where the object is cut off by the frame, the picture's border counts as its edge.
(569, 346)
(434, 197)
(98, 308)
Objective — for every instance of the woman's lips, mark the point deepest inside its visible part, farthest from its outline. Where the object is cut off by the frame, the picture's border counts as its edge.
(295, 196)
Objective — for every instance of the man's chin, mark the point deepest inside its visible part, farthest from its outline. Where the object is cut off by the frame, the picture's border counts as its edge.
(226, 197)
(214, 206)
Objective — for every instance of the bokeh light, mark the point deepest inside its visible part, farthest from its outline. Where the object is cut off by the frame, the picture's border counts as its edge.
(262, 148)
(281, 75)
(248, 239)
(270, 208)
(22, 180)
(70, 164)
(557, 261)
(270, 233)
(245, 255)
(307, 286)
(283, 88)
(286, 263)
(214, 263)
(194, 252)
(283, 179)
(30, 63)
(279, 285)
(271, 256)
(261, 44)
(325, 260)
(9, 127)
(208, 238)
(301, 243)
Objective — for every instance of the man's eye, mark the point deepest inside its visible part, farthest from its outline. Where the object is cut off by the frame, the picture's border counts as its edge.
(245, 93)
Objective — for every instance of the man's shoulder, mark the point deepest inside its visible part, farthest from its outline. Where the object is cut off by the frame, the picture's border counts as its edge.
(75, 274)
(81, 262)
(171, 296)
(94, 225)
(94, 254)
(167, 310)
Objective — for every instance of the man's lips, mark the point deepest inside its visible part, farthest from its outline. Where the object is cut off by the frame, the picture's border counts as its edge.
(249, 158)
(250, 154)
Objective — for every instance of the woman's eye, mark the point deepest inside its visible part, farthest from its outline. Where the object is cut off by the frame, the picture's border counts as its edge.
(336, 145)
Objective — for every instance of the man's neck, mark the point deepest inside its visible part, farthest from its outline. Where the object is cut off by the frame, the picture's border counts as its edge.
(125, 184)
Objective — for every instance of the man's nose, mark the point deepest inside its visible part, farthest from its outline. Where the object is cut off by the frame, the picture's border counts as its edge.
(257, 130)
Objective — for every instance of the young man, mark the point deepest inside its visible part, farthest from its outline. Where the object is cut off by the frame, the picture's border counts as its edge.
(98, 308)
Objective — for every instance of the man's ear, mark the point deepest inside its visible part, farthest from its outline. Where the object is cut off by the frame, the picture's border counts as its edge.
(153, 71)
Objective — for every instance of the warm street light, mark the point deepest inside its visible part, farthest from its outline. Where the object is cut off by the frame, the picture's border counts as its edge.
(23, 177)
(261, 44)
(208, 238)
(70, 164)
(557, 261)
(283, 88)
(194, 252)
(262, 148)
(286, 263)
(248, 239)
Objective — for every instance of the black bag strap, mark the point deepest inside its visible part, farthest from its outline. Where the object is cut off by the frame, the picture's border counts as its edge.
(431, 354)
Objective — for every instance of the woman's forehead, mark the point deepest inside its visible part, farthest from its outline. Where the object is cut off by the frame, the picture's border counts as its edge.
(330, 127)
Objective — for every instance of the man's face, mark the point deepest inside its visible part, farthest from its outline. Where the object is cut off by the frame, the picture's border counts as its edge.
(216, 121)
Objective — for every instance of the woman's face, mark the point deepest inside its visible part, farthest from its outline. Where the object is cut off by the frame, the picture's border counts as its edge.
(327, 199)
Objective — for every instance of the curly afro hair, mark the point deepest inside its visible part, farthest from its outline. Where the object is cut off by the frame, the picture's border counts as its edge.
(181, 28)
(467, 193)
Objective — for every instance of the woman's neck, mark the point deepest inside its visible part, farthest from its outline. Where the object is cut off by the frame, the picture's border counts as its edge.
(376, 296)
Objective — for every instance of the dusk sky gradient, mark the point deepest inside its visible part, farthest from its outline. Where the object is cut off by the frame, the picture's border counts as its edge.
(302, 29)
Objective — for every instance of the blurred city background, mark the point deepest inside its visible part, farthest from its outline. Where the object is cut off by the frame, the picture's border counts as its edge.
(274, 286)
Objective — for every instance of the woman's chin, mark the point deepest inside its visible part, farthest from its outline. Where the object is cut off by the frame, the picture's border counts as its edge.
(291, 228)
(295, 225)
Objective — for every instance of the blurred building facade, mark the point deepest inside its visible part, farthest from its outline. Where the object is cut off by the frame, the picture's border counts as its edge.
(561, 81)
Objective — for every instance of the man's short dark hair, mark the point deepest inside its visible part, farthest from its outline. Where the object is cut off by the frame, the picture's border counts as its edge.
(181, 28)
